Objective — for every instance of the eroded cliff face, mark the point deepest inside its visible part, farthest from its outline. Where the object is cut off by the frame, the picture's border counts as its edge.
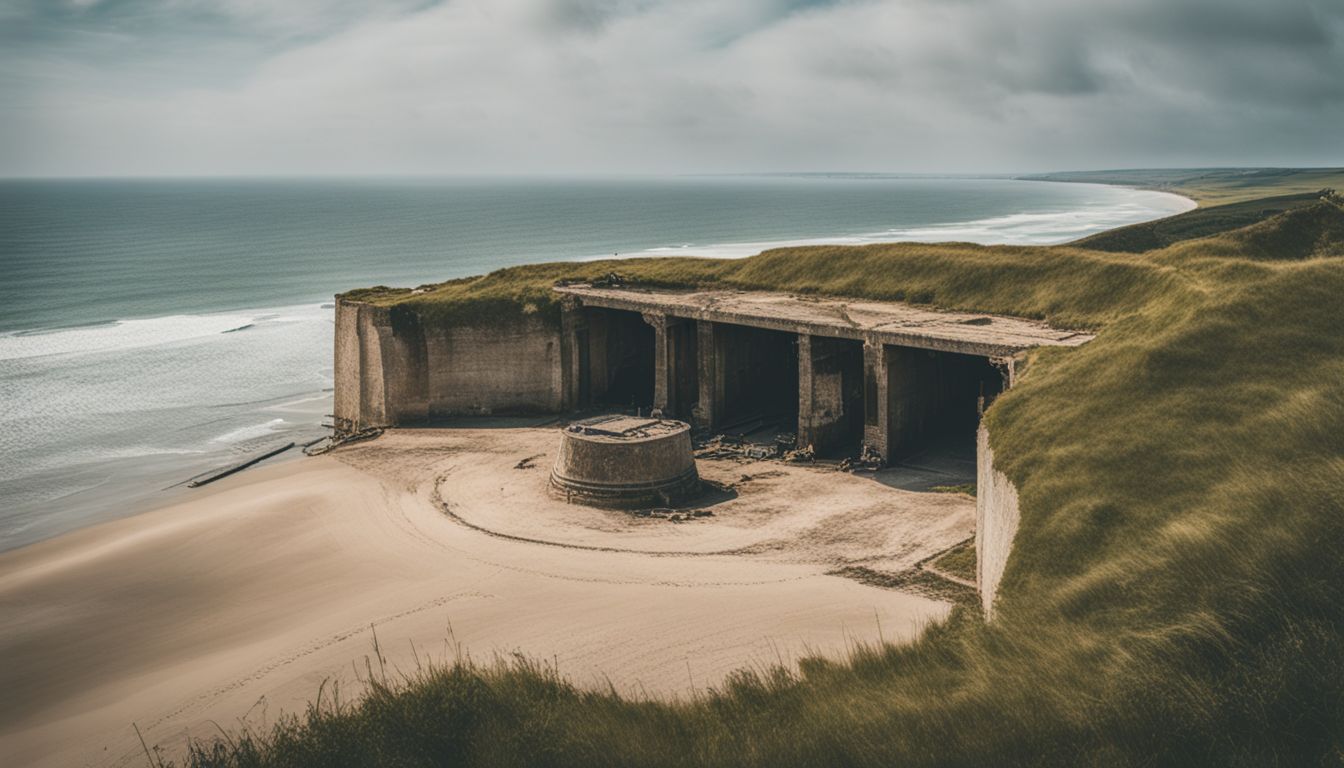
(996, 520)
(393, 369)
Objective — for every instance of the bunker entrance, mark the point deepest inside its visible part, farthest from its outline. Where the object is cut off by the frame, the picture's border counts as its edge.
(936, 400)
(616, 360)
(831, 396)
(760, 376)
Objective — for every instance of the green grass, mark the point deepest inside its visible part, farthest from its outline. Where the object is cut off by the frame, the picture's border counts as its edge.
(1201, 222)
(1176, 590)
(958, 561)
(1214, 186)
(1068, 286)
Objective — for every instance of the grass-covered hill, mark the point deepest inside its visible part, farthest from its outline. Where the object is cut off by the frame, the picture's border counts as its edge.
(1213, 186)
(1201, 222)
(1175, 595)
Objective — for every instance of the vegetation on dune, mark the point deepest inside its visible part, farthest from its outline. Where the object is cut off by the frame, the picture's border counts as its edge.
(958, 561)
(1176, 591)
(1201, 222)
(1067, 286)
(1213, 186)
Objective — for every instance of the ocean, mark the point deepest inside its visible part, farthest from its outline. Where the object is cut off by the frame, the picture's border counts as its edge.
(153, 329)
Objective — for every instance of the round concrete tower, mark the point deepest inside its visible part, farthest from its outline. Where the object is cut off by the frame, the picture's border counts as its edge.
(625, 462)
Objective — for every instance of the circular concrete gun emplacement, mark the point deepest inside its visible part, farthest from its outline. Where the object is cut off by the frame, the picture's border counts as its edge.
(625, 462)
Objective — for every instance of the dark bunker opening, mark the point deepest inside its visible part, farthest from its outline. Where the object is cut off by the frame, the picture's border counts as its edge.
(760, 375)
(616, 359)
(936, 400)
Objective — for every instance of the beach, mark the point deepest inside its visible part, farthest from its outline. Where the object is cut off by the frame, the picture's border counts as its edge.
(244, 598)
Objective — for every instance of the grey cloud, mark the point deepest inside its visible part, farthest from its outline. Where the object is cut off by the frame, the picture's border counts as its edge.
(336, 86)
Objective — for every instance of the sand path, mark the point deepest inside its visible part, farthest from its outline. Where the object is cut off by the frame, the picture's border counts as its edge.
(241, 602)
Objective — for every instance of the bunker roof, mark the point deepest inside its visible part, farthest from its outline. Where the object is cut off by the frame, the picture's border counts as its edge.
(885, 322)
(622, 428)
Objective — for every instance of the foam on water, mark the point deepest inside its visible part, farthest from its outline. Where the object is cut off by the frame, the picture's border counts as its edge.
(251, 432)
(111, 414)
(120, 335)
(1040, 228)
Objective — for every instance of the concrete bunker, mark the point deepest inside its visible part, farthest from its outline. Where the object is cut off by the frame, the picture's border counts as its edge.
(891, 381)
(845, 376)
(896, 381)
(624, 462)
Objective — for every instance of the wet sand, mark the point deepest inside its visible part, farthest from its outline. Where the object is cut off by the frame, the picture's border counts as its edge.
(239, 602)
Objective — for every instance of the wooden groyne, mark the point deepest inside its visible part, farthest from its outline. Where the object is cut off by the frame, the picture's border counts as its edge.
(200, 480)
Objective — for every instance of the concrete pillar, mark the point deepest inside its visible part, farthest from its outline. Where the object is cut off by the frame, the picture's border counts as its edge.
(876, 402)
(571, 320)
(664, 362)
(1007, 368)
(806, 400)
(709, 369)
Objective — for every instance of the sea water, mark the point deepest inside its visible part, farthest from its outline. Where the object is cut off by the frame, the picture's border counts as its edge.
(152, 329)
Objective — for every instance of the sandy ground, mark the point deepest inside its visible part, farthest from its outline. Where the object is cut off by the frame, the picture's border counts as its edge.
(240, 603)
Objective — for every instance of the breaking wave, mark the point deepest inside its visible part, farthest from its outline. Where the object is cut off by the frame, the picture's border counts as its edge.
(118, 335)
(1039, 228)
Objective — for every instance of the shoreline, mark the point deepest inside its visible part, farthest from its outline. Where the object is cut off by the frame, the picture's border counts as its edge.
(931, 233)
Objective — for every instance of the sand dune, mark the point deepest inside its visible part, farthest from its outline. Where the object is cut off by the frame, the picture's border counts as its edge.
(239, 603)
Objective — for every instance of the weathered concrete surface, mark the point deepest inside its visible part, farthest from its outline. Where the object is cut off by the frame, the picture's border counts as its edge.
(624, 462)
(709, 371)
(390, 369)
(511, 367)
(877, 398)
(996, 520)
(830, 393)
(359, 398)
(889, 323)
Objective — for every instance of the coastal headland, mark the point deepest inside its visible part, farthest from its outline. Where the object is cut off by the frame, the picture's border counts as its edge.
(1177, 476)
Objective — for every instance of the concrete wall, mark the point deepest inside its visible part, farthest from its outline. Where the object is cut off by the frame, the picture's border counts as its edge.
(358, 400)
(996, 520)
(830, 393)
(509, 367)
(390, 369)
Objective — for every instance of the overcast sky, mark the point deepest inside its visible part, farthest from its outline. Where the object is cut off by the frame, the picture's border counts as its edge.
(151, 87)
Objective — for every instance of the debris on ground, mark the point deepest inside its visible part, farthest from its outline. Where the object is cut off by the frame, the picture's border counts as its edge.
(867, 460)
(759, 476)
(319, 447)
(610, 280)
(672, 515)
(529, 462)
(735, 445)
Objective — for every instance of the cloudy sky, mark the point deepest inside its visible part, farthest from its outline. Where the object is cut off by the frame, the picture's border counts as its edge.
(150, 87)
